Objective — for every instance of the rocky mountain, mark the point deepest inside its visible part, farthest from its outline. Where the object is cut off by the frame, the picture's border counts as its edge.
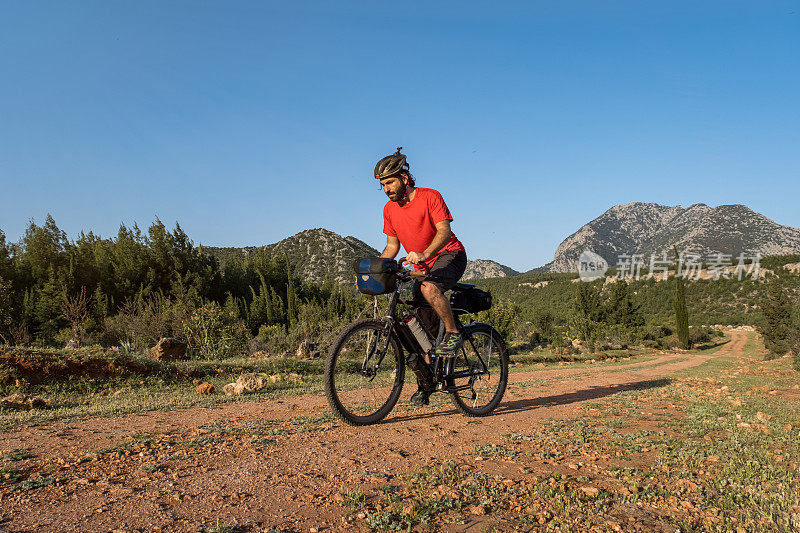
(317, 254)
(314, 254)
(647, 228)
(486, 268)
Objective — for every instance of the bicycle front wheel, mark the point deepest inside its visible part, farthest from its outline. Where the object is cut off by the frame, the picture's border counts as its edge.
(364, 372)
(480, 371)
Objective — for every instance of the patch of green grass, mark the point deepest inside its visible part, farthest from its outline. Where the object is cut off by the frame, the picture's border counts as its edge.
(139, 438)
(387, 489)
(220, 427)
(493, 450)
(353, 500)
(517, 437)
(310, 420)
(18, 454)
(10, 474)
(34, 483)
(259, 427)
(442, 474)
(219, 527)
(426, 509)
(616, 422)
(384, 521)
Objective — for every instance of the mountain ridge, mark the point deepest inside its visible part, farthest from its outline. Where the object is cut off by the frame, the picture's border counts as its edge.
(319, 254)
(633, 228)
(650, 228)
(314, 254)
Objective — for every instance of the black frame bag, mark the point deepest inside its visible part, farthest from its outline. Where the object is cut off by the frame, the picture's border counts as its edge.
(471, 299)
(375, 275)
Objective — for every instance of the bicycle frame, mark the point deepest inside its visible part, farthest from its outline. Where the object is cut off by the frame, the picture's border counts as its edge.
(411, 345)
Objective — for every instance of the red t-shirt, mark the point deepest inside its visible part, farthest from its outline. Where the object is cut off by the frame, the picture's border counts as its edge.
(414, 224)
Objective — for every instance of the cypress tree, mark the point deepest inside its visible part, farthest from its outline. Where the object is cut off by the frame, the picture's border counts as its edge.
(275, 313)
(776, 328)
(291, 297)
(681, 314)
(587, 311)
(256, 311)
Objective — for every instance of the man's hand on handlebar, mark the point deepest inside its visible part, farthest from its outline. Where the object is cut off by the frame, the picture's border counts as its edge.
(416, 257)
(425, 270)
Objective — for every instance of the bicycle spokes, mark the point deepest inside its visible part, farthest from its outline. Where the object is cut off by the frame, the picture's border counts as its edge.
(478, 382)
(364, 373)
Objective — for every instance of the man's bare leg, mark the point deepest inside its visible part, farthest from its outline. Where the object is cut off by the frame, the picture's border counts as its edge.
(439, 303)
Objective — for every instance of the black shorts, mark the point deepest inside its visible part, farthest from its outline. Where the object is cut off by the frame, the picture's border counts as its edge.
(447, 270)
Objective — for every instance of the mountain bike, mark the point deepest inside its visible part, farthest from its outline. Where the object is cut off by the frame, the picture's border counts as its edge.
(365, 369)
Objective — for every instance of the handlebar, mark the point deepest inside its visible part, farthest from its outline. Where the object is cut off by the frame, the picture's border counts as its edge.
(415, 273)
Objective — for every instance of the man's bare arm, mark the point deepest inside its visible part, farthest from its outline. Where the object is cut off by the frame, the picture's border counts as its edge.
(392, 247)
(443, 233)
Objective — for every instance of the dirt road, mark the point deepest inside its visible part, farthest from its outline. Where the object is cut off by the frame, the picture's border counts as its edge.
(283, 465)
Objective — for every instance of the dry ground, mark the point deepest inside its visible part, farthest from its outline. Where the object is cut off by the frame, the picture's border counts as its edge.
(658, 444)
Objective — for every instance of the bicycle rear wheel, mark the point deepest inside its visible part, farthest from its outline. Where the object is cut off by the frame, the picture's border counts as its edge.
(480, 371)
(364, 372)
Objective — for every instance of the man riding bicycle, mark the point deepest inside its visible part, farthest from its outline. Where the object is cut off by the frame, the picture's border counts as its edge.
(418, 219)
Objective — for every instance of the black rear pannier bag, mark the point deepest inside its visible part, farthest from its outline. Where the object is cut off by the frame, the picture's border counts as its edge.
(375, 275)
(471, 299)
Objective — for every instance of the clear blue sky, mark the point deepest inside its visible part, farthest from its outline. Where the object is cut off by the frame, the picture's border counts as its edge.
(250, 121)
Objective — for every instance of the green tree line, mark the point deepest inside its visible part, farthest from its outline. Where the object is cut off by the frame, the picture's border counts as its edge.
(139, 286)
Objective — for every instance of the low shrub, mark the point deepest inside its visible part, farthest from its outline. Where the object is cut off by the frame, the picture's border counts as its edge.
(671, 342)
(214, 332)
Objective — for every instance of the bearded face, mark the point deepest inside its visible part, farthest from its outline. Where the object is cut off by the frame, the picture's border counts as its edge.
(395, 187)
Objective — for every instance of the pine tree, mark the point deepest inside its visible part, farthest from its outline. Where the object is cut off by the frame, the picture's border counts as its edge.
(621, 309)
(588, 312)
(681, 314)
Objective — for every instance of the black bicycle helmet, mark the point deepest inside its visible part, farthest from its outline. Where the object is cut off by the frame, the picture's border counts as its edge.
(391, 165)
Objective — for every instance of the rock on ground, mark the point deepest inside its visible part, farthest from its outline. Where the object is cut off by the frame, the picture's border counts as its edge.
(255, 382)
(168, 350)
(308, 349)
(23, 401)
(252, 382)
(205, 388)
(233, 389)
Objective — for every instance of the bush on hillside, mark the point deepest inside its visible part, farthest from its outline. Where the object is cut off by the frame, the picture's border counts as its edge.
(214, 332)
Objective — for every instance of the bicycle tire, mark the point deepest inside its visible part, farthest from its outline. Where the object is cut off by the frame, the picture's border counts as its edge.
(467, 397)
(355, 395)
